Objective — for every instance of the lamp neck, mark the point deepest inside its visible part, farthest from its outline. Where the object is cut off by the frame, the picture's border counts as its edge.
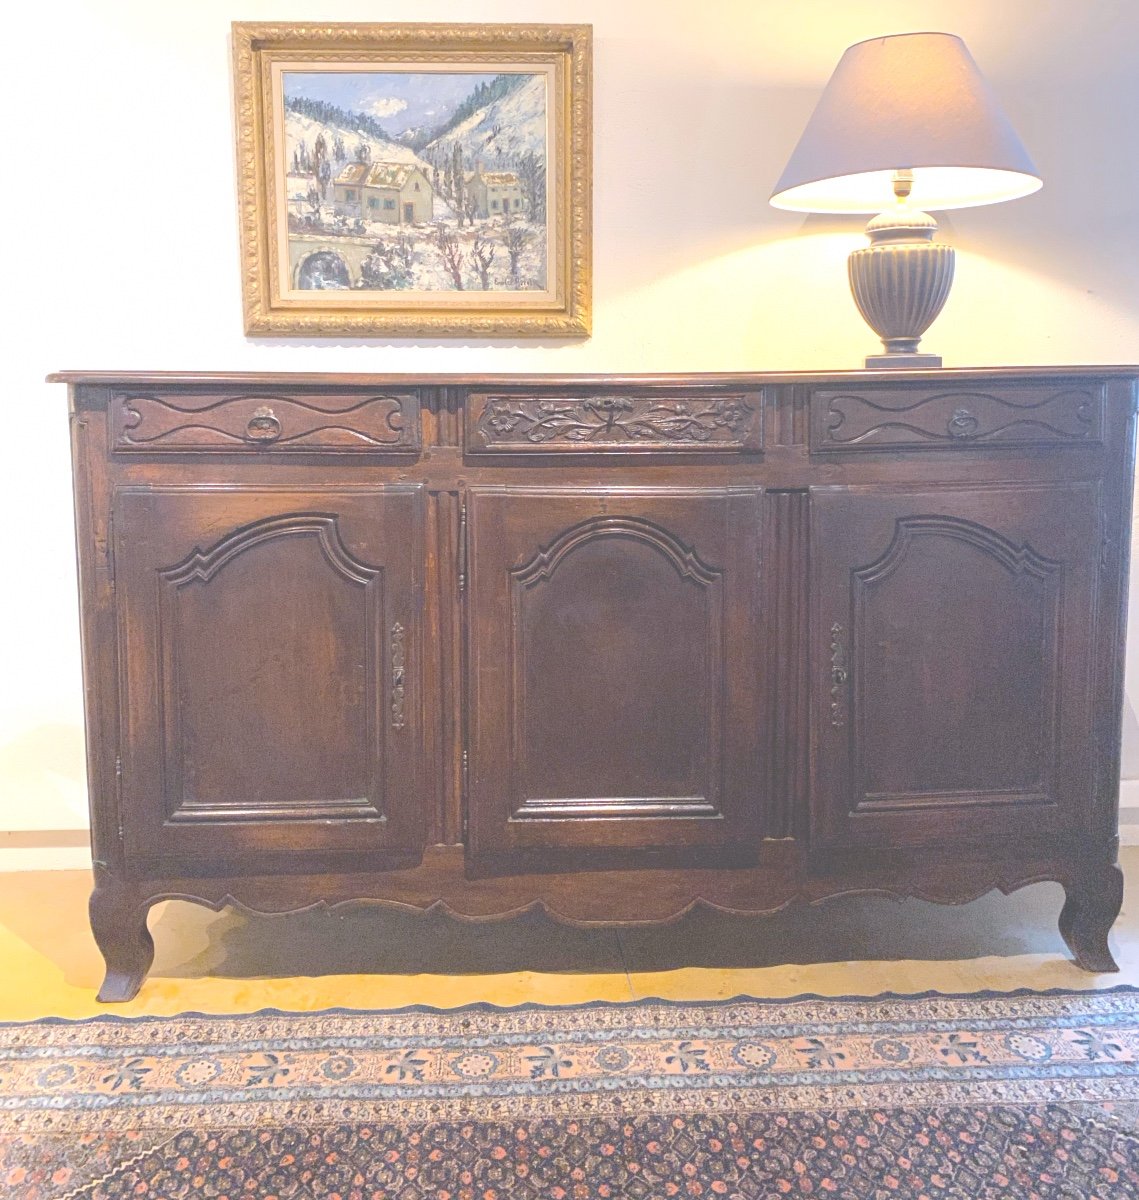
(903, 184)
(902, 223)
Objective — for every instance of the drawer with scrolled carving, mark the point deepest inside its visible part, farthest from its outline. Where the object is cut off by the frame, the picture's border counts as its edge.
(891, 417)
(221, 422)
(607, 422)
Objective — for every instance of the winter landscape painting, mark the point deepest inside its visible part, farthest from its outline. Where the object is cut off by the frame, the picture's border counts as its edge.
(416, 187)
(425, 181)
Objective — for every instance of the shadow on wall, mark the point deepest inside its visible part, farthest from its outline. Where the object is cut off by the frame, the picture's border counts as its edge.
(685, 199)
(43, 779)
(1074, 231)
(678, 191)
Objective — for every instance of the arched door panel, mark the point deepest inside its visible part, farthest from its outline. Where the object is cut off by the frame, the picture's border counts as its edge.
(952, 662)
(269, 668)
(614, 675)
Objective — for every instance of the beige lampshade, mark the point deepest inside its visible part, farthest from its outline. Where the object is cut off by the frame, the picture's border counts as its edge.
(914, 101)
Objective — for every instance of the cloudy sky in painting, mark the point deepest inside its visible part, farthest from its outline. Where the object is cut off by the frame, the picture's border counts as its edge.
(399, 100)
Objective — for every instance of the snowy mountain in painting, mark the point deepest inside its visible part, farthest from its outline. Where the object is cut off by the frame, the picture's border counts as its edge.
(497, 134)
(299, 128)
(416, 135)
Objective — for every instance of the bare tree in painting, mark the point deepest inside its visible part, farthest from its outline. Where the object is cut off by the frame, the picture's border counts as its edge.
(320, 168)
(515, 237)
(532, 176)
(404, 251)
(482, 255)
(470, 207)
(447, 243)
(313, 199)
(458, 181)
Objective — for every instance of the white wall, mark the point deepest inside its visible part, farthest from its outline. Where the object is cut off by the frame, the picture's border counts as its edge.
(120, 240)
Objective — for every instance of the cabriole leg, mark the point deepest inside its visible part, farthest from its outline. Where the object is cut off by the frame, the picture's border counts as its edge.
(1094, 899)
(118, 921)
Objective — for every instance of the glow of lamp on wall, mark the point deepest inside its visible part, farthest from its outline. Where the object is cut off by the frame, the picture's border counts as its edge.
(909, 114)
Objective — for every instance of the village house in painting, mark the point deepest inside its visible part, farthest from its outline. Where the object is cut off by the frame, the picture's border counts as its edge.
(494, 192)
(395, 193)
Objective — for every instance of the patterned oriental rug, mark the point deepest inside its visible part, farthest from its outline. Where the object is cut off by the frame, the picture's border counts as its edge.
(1021, 1096)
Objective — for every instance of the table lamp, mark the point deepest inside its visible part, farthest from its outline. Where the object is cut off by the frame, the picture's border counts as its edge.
(909, 114)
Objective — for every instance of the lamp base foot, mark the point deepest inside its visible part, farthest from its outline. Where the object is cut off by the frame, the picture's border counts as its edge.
(903, 360)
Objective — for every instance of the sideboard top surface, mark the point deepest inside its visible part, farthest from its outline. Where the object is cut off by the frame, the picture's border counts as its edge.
(955, 375)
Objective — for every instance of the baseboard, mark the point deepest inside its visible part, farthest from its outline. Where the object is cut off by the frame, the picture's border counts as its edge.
(1129, 812)
(45, 850)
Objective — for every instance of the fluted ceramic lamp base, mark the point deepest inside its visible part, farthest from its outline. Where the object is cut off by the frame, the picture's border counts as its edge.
(900, 283)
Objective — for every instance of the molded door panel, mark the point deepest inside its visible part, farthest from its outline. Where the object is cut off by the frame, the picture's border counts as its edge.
(614, 672)
(270, 672)
(952, 662)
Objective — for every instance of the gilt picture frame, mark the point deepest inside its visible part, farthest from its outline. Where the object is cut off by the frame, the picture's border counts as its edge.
(400, 180)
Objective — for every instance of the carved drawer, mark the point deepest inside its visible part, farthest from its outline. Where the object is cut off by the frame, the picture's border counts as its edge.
(206, 421)
(611, 422)
(884, 416)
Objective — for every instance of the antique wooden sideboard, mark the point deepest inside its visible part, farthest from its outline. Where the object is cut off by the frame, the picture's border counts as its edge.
(611, 645)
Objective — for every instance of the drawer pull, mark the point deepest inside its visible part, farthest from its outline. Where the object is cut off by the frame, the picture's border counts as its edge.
(963, 424)
(263, 426)
(399, 664)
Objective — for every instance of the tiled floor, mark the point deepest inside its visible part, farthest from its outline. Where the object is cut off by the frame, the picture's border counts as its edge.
(370, 957)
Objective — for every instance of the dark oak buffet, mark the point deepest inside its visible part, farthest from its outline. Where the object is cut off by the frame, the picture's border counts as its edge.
(611, 645)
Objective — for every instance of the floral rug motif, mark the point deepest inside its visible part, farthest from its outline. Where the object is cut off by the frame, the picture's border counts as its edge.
(1019, 1096)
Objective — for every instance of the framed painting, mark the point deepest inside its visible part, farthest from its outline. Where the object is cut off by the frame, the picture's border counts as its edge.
(414, 180)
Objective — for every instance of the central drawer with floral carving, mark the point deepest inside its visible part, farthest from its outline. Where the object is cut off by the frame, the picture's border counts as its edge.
(717, 421)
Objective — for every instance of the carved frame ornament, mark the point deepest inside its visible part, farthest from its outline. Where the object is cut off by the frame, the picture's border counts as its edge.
(276, 304)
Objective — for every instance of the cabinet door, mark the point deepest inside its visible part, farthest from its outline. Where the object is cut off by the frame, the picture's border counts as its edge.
(270, 653)
(614, 675)
(952, 663)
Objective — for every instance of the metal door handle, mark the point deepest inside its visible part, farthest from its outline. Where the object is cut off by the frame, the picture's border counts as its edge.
(399, 668)
(839, 676)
